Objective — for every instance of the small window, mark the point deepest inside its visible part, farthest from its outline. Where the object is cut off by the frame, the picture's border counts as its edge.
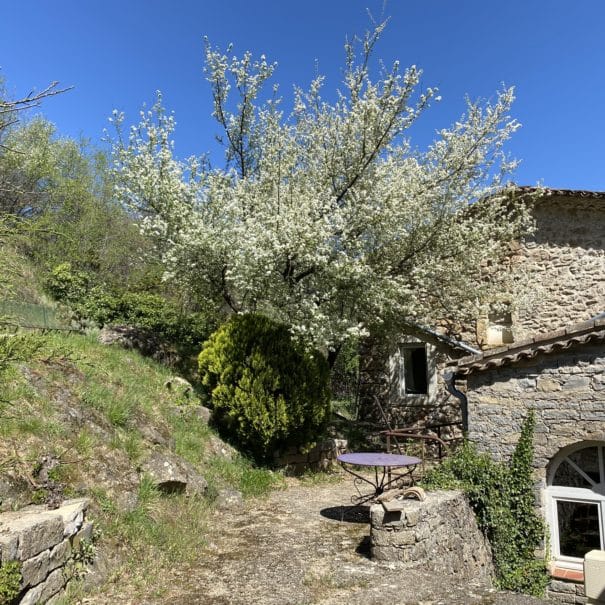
(413, 379)
(499, 328)
(578, 527)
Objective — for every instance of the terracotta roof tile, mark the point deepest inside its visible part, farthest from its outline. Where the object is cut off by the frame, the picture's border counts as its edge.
(563, 192)
(583, 333)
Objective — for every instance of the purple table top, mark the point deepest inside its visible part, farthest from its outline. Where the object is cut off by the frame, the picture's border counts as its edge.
(378, 459)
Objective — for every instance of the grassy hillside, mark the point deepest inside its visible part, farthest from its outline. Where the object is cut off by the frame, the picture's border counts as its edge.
(78, 418)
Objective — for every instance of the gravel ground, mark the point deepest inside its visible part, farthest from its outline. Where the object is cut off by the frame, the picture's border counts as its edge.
(306, 546)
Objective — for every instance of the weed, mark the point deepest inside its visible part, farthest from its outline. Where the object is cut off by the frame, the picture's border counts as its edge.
(119, 412)
(191, 435)
(133, 445)
(85, 443)
(10, 581)
(39, 496)
(243, 475)
(148, 491)
(81, 558)
(311, 477)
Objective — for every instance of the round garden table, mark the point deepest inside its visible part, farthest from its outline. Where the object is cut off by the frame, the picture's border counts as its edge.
(377, 460)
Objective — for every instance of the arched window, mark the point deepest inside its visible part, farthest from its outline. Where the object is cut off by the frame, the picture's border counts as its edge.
(576, 503)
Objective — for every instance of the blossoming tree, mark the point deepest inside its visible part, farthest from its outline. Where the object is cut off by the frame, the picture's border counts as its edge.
(326, 217)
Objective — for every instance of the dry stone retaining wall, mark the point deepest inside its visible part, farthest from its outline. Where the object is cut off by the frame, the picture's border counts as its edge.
(43, 541)
(566, 592)
(440, 534)
(320, 457)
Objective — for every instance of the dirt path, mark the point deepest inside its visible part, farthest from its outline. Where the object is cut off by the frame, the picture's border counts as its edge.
(295, 548)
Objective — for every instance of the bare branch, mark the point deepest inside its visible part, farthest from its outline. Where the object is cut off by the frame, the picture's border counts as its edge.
(32, 99)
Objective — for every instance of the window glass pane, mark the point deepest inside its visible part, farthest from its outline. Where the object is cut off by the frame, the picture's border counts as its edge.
(588, 460)
(415, 370)
(578, 528)
(567, 475)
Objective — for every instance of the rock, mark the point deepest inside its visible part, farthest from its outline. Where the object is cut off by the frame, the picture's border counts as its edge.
(37, 531)
(97, 572)
(145, 341)
(14, 492)
(45, 590)
(36, 569)
(126, 501)
(229, 498)
(219, 448)
(203, 413)
(153, 435)
(173, 474)
(72, 513)
(194, 411)
(179, 386)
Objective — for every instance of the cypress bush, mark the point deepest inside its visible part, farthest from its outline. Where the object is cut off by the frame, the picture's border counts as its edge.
(267, 391)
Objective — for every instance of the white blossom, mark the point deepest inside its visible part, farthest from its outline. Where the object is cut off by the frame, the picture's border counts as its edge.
(328, 218)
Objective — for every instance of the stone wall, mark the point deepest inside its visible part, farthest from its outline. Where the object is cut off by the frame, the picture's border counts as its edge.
(566, 391)
(380, 374)
(320, 457)
(440, 534)
(565, 263)
(566, 592)
(44, 542)
(561, 271)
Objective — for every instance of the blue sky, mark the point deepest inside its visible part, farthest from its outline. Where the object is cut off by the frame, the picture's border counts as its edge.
(118, 53)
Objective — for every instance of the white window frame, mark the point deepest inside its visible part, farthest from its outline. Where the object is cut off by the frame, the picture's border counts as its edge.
(561, 493)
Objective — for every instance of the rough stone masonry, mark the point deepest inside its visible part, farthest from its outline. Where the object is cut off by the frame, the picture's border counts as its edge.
(44, 542)
(440, 534)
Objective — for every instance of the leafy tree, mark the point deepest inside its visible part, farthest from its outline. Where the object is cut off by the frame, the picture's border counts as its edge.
(327, 218)
(63, 191)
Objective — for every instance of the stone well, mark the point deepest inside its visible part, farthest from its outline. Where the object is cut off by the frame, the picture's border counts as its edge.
(439, 534)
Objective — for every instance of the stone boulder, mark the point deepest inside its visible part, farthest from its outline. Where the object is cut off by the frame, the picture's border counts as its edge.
(140, 339)
(229, 498)
(172, 474)
(179, 386)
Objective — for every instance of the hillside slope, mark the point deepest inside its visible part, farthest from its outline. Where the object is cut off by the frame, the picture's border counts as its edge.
(78, 418)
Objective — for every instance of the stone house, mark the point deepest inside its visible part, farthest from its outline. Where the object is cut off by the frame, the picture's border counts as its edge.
(548, 355)
(561, 377)
(541, 351)
(562, 266)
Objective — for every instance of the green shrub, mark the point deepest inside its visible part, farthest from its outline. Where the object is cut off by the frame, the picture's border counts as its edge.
(10, 581)
(267, 391)
(150, 312)
(67, 284)
(502, 496)
(158, 315)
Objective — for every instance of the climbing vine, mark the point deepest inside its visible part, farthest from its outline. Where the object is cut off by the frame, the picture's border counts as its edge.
(502, 496)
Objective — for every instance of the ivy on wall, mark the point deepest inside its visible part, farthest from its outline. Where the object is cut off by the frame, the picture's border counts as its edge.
(502, 496)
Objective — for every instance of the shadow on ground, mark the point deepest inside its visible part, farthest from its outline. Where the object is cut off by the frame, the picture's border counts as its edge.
(347, 514)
